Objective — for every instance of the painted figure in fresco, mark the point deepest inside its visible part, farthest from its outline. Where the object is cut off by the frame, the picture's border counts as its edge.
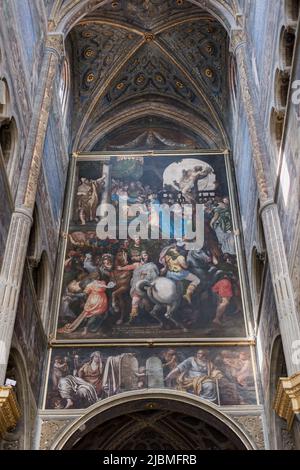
(222, 224)
(237, 383)
(84, 387)
(95, 308)
(142, 377)
(72, 266)
(74, 296)
(142, 270)
(60, 369)
(198, 375)
(176, 268)
(81, 238)
(188, 181)
(224, 291)
(244, 375)
(170, 362)
(122, 279)
(106, 267)
(77, 392)
(135, 249)
(88, 199)
(200, 263)
(88, 264)
(211, 242)
(92, 372)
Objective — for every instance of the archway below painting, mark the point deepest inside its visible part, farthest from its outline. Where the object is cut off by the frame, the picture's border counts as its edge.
(154, 421)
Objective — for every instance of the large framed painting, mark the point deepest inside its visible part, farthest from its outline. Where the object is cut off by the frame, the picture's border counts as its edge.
(151, 250)
(80, 377)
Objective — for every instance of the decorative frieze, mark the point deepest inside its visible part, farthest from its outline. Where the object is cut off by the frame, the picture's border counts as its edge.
(50, 430)
(252, 425)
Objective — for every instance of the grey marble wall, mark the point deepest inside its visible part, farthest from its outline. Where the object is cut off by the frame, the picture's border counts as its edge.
(22, 41)
(264, 20)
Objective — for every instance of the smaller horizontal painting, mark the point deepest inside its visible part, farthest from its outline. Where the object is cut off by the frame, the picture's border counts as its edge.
(80, 377)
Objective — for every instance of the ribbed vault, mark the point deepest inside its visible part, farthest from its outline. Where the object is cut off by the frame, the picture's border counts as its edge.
(165, 60)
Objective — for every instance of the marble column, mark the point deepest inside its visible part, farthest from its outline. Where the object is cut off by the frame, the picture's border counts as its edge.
(21, 221)
(281, 280)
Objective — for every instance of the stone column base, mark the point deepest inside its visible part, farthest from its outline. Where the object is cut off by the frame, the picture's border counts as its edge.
(9, 409)
(287, 400)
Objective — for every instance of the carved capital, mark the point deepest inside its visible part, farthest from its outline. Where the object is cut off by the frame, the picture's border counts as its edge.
(237, 39)
(240, 20)
(56, 43)
(52, 25)
(287, 400)
(9, 409)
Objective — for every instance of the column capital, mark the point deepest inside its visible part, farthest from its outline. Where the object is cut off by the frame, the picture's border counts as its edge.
(238, 38)
(10, 411)
(267, 204)
(25, 212)
(287, 400)
(55, 43)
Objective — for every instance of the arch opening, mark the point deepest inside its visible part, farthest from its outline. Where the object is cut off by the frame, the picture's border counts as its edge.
(155, 421)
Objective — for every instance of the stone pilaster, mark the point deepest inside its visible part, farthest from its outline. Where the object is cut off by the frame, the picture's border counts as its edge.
(282, 284)
(259, 150)
(21, 221)
(38, 126)
(10, 281)
(281, 280)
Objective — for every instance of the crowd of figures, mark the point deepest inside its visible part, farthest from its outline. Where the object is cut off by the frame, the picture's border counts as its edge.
(185, 189)
(136, 282)
(79, 378)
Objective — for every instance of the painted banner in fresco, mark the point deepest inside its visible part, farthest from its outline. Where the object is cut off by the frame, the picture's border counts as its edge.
(151, 282)
(81, 377)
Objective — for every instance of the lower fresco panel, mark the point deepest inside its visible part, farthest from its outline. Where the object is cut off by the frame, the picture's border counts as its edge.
(80, 377)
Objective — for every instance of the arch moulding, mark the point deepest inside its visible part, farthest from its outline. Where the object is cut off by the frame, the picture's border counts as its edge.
(128, 402)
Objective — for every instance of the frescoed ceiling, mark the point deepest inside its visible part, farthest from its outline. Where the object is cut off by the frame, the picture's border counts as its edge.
(149, 58)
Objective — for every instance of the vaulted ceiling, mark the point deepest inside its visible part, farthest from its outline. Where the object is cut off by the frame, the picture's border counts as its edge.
(149, 68)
